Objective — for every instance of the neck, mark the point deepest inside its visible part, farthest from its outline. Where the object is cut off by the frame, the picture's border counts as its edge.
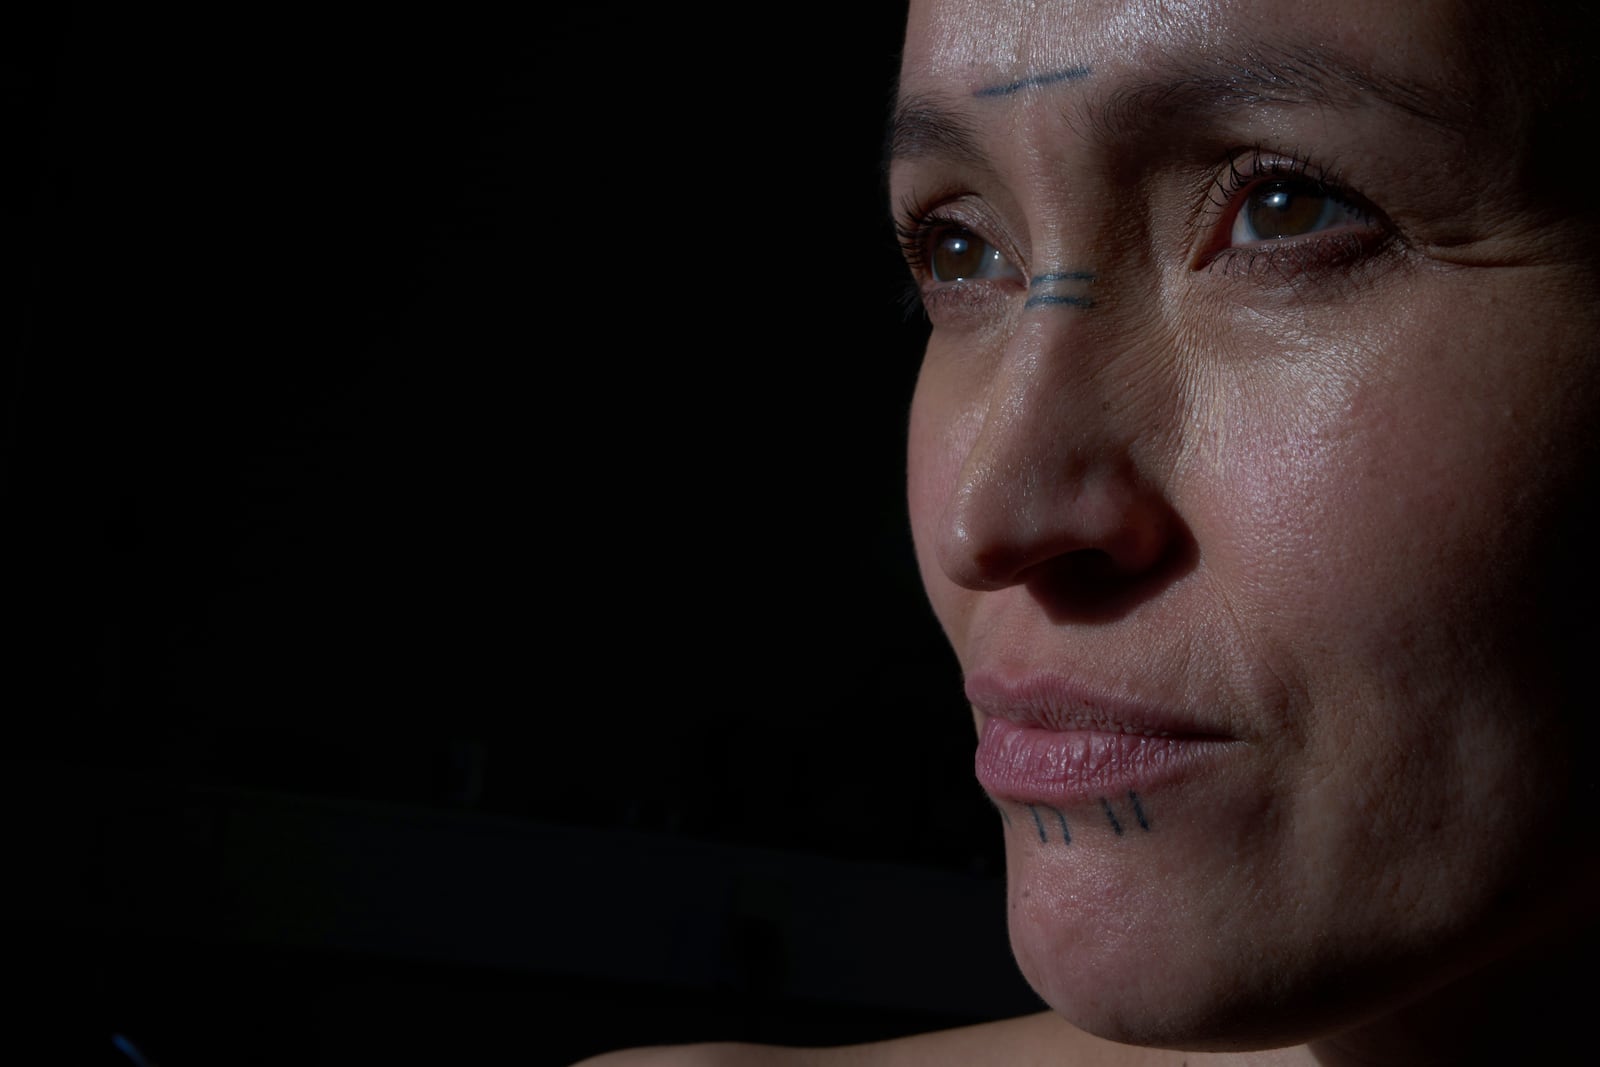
(1533, 1004)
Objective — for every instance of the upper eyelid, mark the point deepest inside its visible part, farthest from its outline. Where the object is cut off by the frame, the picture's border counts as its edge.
(1289, 258)
(913, 224)
(1238, 168)
(1246, 167)
(1266, 166)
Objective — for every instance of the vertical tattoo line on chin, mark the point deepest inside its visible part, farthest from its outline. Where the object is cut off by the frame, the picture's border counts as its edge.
(1111, 816)
(1031, 81)
(1138, 811)
(1038, 822)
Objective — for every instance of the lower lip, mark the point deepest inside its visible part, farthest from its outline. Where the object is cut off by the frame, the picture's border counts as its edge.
(1029, 764)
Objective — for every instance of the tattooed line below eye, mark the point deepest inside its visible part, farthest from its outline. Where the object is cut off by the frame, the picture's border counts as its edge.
(1032, 81)
(1047, 291)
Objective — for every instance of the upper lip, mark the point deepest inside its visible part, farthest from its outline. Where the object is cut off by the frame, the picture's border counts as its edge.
(1063, 703)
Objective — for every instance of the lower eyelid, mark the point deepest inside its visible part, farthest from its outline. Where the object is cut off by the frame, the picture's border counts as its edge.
(1314, 260)
(969, 301)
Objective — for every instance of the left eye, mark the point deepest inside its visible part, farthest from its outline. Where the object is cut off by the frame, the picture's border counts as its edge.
(959, 254)
(1285, 208)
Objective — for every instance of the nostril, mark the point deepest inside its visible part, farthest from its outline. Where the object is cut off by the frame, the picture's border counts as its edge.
(1094, 585)
(1093, 564)
(1090, 573)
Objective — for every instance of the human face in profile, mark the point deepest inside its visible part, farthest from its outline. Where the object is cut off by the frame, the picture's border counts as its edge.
(1256, 411)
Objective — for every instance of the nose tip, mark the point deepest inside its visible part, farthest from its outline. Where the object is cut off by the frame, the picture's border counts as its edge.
(1054, 453)
(1105, 528)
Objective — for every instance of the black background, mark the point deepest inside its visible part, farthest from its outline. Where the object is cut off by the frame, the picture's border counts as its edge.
(461, 600)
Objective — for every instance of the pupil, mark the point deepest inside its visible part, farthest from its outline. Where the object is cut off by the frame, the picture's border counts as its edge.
(957, 256)
(1278, 209)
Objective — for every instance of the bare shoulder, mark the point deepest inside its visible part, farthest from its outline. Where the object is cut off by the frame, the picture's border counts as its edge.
(717, 1054)
(1041, 1040)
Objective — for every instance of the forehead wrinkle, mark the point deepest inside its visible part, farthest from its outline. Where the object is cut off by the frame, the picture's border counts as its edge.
(1172, 87)
(1266, 76)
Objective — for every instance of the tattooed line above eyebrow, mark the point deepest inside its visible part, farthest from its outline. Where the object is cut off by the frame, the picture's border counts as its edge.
(1032, 81)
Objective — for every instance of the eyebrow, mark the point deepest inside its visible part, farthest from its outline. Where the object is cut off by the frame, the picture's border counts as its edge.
(927, 125)
(921, 127)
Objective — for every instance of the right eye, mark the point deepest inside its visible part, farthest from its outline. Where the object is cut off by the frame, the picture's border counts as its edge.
(954, 254)
(942, 252)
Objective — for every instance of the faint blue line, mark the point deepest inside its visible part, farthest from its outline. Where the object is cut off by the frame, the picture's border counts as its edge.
(1047, 300)
(129, 1049)
(1069, 74)
(1062, 276)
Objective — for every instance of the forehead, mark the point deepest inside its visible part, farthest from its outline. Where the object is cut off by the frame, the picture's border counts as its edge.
(973, 45)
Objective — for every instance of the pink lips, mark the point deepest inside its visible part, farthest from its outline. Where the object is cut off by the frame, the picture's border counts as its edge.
(1045, 740)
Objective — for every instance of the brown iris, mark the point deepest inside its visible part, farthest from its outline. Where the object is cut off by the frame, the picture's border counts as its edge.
(957, 255)
(1285, 209)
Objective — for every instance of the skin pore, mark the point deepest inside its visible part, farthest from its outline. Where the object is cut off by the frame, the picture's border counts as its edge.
(1250, 465)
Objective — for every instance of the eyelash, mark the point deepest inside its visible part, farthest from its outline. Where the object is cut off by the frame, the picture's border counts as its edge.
(913, 228)
(1246, 168)
(916, 226)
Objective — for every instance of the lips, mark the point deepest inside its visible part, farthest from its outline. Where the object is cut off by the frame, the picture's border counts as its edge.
(1045, 739)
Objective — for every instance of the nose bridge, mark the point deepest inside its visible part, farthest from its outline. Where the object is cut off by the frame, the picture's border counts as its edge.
(1051, 470)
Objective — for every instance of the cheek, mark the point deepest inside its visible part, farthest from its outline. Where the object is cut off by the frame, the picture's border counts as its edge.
(1268, 470)
(1357, 497)
(1377, 530)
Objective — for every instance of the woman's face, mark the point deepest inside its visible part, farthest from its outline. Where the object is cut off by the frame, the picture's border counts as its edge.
(1260, 389)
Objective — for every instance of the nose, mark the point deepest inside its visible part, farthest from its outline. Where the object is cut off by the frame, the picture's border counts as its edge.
(1056, 478)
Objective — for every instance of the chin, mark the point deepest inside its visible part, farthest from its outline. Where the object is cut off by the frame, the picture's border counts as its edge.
(1177, 955)
(1164, 1000)
(1166, 973)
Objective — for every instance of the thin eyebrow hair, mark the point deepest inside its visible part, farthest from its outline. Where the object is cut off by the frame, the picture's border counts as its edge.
(922, 126)
(1303, 76)
(925, 125)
